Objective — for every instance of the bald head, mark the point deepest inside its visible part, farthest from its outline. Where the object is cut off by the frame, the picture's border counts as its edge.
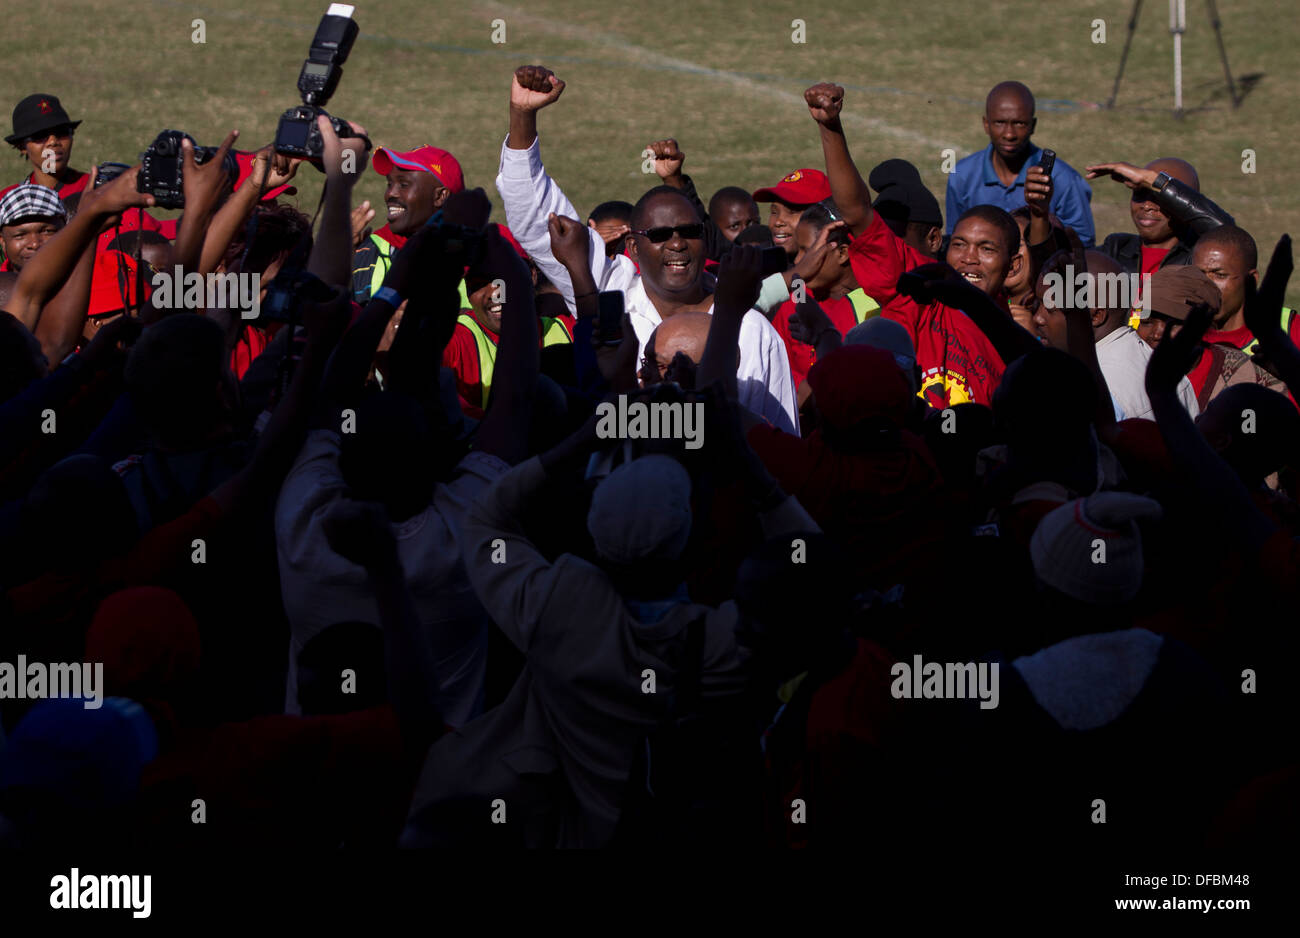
(1012, 91)
(685, 332)
(1181, 170)
(1009, 121)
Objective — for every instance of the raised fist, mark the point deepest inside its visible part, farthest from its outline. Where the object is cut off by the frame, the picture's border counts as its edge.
(668, 157)
(534, 87)
(570, 243)
(824, 101)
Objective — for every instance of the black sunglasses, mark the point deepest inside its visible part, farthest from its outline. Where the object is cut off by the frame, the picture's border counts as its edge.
(63, 130)
(691, 232)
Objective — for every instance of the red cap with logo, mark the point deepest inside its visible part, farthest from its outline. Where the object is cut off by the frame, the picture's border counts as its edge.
(801, 187)
(425, 159)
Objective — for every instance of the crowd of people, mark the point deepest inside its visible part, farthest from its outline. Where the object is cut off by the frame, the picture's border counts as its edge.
(366, 568)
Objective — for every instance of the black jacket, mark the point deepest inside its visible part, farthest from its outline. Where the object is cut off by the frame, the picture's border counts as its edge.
(1192, 215)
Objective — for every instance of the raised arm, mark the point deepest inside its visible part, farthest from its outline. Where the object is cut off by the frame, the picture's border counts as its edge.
(1183, 204)
(1264, 317)
(530, 195)
(504, 430)
(848, 188)
(48, 270)
(331, 253)
(234, 213)
(1221, 492)
(739, 276)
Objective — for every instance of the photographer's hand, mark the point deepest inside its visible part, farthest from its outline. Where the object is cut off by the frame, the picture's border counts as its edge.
(343, 161)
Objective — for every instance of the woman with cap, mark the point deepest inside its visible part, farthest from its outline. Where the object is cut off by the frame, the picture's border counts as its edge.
(42, 133)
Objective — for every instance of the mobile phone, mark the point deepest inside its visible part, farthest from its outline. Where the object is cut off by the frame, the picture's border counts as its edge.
(1048, 162)
(774, 261)
(609, 325)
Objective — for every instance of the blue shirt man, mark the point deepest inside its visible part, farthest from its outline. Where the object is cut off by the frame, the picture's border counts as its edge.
(996, 174)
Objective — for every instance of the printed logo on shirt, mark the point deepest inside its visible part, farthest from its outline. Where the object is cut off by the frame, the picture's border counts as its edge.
(940, 388)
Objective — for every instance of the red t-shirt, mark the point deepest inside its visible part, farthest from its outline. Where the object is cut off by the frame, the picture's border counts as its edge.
(802, 355)
(1152, 258)
(1243, 337)
(252, 342)
(957, 361)
(64, 189)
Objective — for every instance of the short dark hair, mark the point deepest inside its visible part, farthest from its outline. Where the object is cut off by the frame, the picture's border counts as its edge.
(1238, 239)
(611, 211)
(999, 217)
(729, 194)
(639, 210)
(279, 229)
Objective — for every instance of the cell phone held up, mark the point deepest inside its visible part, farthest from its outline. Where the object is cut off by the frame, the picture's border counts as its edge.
(609, 319)
(1047, 163)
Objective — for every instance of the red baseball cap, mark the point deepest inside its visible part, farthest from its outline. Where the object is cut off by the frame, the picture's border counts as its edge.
(245, 161)
(112, 283)
(426, 159)
(801, 187)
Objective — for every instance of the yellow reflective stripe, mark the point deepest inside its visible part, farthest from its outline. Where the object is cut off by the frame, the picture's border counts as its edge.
(864, 307)
(487, 352)
(554, 332)
(385, 260)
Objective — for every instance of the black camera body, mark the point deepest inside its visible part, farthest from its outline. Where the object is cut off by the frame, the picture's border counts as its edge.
(108, 171)
(298, 135)
(161, 167)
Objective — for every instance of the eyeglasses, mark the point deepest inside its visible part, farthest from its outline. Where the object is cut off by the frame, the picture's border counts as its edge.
(647, 363)
(691, 232)
(61, 132)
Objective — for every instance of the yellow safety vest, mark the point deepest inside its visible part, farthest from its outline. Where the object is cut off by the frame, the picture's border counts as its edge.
(384, 260)
(554, 332)
(864, 307)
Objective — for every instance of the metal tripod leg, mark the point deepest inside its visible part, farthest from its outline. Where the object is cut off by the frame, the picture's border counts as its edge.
(1223, 52)
(1128, 41)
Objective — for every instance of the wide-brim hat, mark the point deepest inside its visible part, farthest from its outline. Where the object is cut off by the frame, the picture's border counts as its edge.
(38, 112)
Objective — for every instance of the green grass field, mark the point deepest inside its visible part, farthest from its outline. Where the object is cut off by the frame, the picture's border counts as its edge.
(724, 79)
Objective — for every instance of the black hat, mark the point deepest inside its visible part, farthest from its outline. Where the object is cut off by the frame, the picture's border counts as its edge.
(892, 173)
(35, 113)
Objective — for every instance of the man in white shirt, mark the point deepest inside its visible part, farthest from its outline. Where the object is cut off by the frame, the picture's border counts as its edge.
(1123, 357)
(1121, 353)
(666, 243)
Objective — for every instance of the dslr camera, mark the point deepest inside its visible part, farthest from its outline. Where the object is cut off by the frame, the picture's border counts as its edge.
(108, 171)
(297, 133)
(161, 165)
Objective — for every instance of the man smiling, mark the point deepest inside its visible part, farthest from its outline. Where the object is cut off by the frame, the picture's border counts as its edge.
(790, 198)
(957, 361)
(419, 182)
(666, 244)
